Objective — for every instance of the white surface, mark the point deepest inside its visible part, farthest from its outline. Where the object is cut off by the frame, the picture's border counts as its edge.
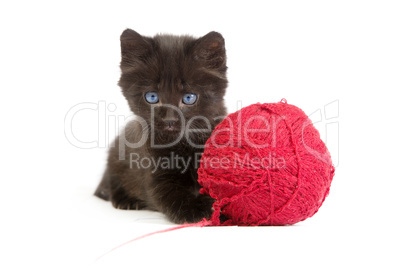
(54, 56)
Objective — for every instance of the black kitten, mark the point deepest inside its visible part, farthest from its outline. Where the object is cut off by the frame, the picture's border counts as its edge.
(175, 86)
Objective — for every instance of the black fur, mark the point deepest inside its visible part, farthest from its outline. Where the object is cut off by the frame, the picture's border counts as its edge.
(171, 66)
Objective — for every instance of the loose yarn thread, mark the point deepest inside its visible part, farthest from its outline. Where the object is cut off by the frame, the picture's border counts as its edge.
(197, 224)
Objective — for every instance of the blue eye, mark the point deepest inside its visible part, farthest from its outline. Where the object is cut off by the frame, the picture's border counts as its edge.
(189, 98)
(152, 97)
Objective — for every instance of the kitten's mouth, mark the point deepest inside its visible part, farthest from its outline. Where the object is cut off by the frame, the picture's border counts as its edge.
(170, 128)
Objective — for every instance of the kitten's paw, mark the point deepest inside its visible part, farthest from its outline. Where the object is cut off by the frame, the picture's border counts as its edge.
(194, 210)
(128, 204)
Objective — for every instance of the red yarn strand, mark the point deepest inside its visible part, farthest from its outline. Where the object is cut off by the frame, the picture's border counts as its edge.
(202, 223)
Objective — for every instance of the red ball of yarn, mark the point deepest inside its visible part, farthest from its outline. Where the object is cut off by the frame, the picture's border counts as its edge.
(265, 165)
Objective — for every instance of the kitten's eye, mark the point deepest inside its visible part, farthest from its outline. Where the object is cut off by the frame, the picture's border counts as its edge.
(189, 98)
(152, 97)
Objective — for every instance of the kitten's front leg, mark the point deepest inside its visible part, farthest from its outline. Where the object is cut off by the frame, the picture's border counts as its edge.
(181, 205)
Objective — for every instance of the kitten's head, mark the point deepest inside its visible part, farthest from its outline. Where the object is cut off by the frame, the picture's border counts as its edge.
(174, 82)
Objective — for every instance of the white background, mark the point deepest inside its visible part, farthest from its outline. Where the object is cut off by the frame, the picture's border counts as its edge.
(55, 55)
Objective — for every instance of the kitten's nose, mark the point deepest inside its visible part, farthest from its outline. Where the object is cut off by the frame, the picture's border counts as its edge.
(170, 121)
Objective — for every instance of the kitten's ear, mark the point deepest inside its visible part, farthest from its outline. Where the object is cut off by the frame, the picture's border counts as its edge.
(133, 45)
(211, 49)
